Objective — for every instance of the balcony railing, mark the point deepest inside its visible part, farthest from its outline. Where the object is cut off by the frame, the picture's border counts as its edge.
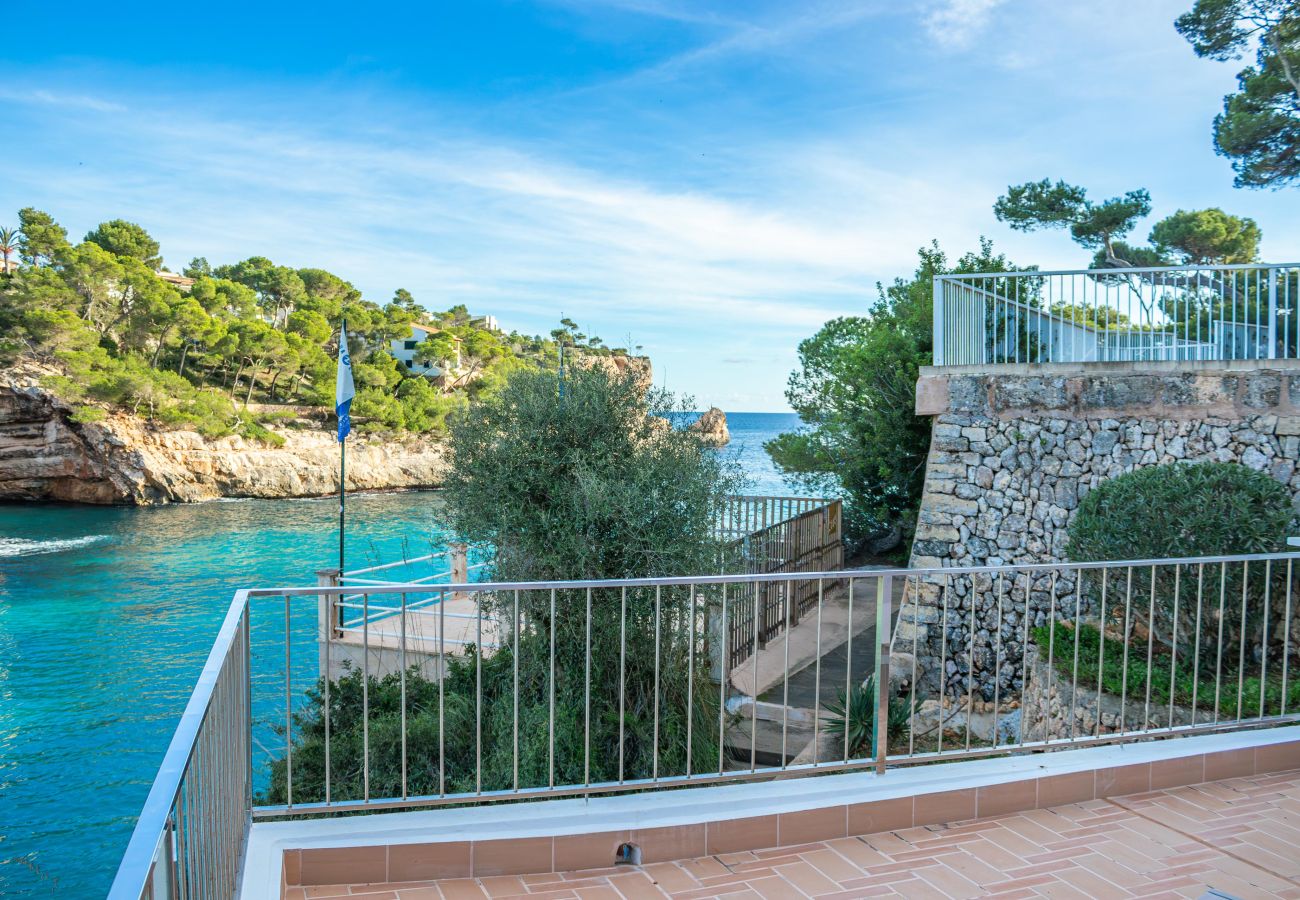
(1167, 313)
(1013, 658)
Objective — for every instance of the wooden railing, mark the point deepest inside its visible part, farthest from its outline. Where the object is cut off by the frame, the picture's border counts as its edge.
(810, 539)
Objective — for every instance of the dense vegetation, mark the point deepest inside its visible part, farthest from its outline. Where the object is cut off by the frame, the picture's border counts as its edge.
(1259, 128)
(1179, 511)
(122, 332)
(855, 390)
(568, 478)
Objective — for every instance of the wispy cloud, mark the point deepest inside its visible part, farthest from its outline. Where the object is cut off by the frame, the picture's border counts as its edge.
(719, 202)
(957, 23)
(44, 97)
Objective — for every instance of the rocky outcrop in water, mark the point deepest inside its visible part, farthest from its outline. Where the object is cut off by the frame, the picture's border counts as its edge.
(46, 455)
(712, 428)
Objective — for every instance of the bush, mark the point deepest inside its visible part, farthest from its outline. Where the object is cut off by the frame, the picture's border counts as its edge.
(571, 479)
(1204, 509)
(85, 414)
(575, 479)
(1178, 511)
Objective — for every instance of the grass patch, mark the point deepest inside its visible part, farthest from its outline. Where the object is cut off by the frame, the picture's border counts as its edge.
(1167, 676)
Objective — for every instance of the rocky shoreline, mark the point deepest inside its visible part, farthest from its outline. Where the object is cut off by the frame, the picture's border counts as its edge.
(47, 456)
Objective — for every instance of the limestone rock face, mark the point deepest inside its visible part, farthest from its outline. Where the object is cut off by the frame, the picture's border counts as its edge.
(638, 367)
(44, 455)
(712, 428)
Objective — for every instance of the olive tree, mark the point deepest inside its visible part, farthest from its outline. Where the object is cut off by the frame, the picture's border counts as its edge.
(568, 477)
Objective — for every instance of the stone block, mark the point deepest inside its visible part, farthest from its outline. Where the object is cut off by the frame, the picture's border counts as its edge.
(1252, 458)
(1263, 390)
(1117, 392)
(952, 505)
(932, 396)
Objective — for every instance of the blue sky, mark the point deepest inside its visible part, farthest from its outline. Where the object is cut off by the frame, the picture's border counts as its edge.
(713, 180)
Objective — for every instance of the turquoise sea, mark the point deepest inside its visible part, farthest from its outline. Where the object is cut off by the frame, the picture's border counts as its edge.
(106, 617)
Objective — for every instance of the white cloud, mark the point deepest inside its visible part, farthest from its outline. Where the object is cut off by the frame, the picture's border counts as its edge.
(956, 23)
(720, 204)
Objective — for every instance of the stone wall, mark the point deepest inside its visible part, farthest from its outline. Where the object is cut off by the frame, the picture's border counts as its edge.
(1014, 450)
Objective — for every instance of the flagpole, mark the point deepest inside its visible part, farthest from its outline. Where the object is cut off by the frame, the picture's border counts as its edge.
(343, 465)
(343, 468)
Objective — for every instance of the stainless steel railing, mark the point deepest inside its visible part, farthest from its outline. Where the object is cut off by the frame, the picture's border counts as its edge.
(1035, 657)
(594, 687)
(190, 835)
(1205, 312)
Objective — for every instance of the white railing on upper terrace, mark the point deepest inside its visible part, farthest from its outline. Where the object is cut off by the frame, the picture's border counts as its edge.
(1166, 313)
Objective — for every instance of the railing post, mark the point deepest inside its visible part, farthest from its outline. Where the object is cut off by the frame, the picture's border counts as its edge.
(938, 320)
(1272, 313)
(329, 617)
(880, 734)
(458, 554)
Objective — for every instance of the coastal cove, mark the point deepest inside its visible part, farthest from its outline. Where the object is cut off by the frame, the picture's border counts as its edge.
(106, 617)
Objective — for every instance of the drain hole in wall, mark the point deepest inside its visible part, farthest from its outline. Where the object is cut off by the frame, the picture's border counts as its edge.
(628, 855)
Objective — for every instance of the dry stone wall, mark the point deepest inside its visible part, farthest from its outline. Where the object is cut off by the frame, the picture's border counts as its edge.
(1013, 452)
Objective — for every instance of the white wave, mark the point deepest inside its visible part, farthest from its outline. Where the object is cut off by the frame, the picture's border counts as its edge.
(16, 546)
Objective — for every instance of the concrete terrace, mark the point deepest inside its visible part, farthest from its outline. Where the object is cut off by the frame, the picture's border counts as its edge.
(1239, 836)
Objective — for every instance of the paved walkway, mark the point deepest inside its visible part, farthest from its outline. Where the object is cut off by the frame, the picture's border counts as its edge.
(1240, 837)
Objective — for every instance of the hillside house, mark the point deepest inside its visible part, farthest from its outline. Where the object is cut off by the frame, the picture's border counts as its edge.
(403, 350)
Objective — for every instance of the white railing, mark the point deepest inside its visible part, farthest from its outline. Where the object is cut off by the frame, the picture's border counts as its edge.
(1166, 313)
(190, 836)
(620, 685)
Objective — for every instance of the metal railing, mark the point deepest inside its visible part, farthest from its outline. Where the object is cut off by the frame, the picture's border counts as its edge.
(1041, 656)
(619, 685)
(459, 563)
(189, 839)
(810, 539)
(747, 515)
(1206, 312)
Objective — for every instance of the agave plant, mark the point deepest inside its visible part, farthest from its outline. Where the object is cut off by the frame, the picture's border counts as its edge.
(854, 712)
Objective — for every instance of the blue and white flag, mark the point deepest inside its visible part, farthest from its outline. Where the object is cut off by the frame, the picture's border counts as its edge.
(344, 390)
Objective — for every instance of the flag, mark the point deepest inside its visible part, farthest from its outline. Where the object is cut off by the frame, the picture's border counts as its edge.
(344, 390)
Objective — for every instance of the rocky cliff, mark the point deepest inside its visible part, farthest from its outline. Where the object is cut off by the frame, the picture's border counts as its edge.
(44, 455)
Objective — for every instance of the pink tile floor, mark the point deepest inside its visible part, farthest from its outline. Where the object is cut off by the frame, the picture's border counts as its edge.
(1240, 836)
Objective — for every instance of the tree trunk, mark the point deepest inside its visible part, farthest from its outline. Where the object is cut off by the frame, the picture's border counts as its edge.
(185, 351)
(234, 387)
(252, 383)
(162, 339)
(274, 378)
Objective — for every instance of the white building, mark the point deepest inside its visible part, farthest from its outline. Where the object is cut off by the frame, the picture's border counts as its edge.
(488, 323)
(404, 352)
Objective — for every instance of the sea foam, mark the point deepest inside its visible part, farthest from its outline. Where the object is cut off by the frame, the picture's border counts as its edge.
(16, 546)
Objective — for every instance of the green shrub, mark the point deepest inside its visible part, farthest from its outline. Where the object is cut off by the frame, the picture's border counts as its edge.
(85, 414)
(569, 479)
(1179, 511)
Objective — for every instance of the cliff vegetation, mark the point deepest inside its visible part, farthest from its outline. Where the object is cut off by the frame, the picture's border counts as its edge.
(231, 350)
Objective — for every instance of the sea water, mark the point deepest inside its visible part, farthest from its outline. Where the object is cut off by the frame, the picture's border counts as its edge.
(106, 618)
